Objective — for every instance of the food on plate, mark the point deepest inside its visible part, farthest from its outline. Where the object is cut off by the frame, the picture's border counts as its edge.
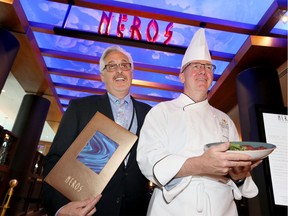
(243, 147)
(256, 150)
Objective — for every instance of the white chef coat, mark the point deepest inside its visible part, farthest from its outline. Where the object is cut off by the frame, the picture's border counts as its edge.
(172, 132)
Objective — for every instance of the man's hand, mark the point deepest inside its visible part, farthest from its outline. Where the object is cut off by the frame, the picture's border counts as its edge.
(237, 173)
(80, 208)
(217, 161)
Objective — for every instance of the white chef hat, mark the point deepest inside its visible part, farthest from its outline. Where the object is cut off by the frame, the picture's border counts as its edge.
(197, 49)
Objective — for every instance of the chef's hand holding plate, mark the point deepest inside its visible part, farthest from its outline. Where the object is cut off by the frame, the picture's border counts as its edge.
(241, 172)
(236, 171)
(218, 161)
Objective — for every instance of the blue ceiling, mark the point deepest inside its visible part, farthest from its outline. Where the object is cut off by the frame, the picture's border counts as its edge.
(71, 60)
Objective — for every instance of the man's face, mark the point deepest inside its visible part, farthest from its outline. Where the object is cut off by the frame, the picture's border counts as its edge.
(197, 78)
(117, 82)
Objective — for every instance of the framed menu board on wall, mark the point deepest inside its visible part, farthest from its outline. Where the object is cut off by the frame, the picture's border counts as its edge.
(272, 125)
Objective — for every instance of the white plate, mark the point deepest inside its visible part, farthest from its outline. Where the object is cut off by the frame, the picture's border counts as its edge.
(255, 154)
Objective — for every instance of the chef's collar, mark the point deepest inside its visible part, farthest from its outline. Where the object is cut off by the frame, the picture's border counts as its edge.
(186, 99)
(187, 102)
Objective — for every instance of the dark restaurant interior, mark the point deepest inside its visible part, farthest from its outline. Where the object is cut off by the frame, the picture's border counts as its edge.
(50, 52)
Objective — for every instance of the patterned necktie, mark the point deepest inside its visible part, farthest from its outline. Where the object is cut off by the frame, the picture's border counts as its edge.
(121, 118)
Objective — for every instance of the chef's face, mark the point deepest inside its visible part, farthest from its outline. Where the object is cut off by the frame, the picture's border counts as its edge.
(118, 74)
(197, 77)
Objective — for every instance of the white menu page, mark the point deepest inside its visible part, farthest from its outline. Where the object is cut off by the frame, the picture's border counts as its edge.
(276, 130)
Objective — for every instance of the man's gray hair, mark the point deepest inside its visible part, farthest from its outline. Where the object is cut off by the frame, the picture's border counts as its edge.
(113, 49)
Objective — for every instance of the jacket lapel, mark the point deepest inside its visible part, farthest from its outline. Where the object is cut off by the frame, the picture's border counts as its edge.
(104, 106)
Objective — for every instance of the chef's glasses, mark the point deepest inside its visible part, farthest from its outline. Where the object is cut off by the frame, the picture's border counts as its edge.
(197, 66)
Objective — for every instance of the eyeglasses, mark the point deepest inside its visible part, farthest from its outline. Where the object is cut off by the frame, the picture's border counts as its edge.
(196, 66)
(114, 67)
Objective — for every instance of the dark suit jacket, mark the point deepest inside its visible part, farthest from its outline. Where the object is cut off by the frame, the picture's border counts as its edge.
(127, 192)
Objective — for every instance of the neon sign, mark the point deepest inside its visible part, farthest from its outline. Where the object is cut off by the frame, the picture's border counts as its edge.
(152, 29)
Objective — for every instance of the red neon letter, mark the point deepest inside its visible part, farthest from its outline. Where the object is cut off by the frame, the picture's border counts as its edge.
(135, 28)
(168, 33)
(121, 27)
(105, 20)
(153, 23)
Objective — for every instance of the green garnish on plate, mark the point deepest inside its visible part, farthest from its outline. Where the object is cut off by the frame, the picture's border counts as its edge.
(236, 147)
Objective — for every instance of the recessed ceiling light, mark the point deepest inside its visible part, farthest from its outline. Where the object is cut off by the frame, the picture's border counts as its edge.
(284, 19)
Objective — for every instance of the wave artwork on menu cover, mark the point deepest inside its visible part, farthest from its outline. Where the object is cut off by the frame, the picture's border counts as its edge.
(257, 150)
(97, 152)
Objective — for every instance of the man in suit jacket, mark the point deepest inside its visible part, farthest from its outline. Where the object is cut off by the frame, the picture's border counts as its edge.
(127, 193)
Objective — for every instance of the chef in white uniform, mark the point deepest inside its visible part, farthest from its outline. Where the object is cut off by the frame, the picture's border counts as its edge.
(190, 180)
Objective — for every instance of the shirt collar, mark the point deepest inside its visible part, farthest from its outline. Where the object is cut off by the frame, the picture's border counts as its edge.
(114, 99)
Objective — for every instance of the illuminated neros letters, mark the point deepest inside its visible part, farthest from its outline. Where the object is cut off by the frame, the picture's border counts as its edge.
(152, 29)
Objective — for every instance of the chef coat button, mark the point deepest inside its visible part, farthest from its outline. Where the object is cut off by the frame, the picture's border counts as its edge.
(118, 200)
(126, 174)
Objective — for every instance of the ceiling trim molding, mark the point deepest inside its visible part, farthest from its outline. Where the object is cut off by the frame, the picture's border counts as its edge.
(164, 15)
